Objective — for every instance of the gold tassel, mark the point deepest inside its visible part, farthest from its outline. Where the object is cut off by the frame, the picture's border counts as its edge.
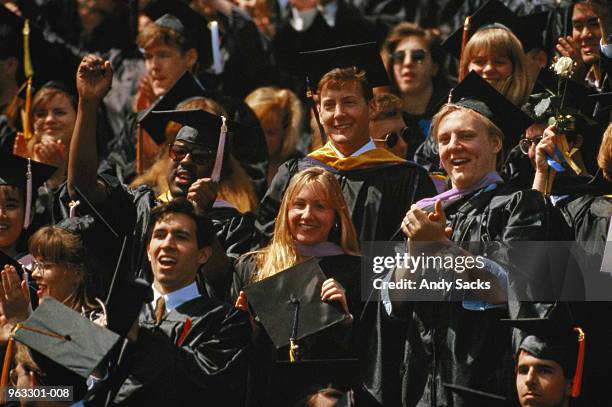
(28, 71)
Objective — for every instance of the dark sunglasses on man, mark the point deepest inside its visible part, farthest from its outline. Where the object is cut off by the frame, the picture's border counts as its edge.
(526, 143)
(391, 138)
(416, 55)
(199, 155)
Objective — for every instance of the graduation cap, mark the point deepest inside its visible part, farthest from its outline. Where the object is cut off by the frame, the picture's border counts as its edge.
(476, 398)
(10, 30)
(476, 94)
(191, 24)
(603, 102)
(24, 173)
(52, 57)
(554, 338)
(366, 57)
(185, 88)
(494, 14)
(66, 337)
(205, 129)
(577, 96)
(289, 304)
(78, 225)
(539, 26)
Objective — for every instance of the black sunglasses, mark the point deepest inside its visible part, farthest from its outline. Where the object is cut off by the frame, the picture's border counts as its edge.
(391, 138)
(525, 143)
(199, 156)
(416, 55)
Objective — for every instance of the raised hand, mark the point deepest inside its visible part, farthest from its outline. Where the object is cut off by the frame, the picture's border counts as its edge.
(568, 47)
(203, 193)
(14, 297)
(424, 226)
(94, 78)
(53, 153)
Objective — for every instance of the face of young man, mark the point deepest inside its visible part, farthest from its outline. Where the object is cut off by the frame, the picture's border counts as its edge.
(173, 252)
(344, 114)
(586, 32)
(191, 163)
(166, 64)
(540, 382)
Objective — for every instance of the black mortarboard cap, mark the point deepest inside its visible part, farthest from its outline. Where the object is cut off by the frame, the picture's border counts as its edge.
(603, 102)
(494, 14)
(366, 56)
(14, 168)
(78, 225)
(199, 126)
(539, 27)
(66, 337)
(276, 298)
(185, 88)
(476, 94)
(476, 398)
(576, 97)
(194, 25)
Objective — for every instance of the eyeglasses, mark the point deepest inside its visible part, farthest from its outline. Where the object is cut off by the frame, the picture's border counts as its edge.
(199, 156)
(416, 55)
(41, 266)
(526, 143)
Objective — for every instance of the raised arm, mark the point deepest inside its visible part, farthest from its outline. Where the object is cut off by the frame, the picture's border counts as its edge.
(93, 81)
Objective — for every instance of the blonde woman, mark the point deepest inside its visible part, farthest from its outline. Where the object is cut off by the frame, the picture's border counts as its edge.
(496, 54)
(313, 221)
(280, 114)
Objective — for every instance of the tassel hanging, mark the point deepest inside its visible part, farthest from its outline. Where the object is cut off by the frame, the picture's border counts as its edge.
(577, 381)
(216, 172)
(28, 207)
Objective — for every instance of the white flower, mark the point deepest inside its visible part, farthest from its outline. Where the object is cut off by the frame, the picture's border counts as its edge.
(564, 67)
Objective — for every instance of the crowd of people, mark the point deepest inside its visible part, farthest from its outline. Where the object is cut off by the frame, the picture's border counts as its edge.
(192, 194)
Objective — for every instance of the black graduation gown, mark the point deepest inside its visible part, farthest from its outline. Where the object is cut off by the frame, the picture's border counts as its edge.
(340, 341)
(447, 343)
(128, 211)
(378, 197)
(209, 363)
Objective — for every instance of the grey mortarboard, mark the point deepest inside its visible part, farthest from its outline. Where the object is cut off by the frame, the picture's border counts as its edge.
(365, 56)
(476, 94)
(66, 337)
(289, 303)
(185, 88)
(493, 14)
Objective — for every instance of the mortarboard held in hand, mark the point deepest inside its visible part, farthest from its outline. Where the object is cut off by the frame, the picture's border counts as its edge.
(476, 94)
(66, 337)
(289, 303)
(155, 125)
(493, 14)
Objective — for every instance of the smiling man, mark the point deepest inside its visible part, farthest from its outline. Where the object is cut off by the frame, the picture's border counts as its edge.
(377, 185)
(187, 345)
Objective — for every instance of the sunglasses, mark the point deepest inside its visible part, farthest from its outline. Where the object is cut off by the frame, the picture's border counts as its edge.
(391, 138)
(526, 143)
(416, 55)
(199, 156)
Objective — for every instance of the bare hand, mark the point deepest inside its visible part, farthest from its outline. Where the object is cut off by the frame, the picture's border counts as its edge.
(241, 302)
(567, 47)
(426, 227)
(94, 78)
(545, 149)
(331, 290)
(50, 153)
(203, 193)
(14, 297)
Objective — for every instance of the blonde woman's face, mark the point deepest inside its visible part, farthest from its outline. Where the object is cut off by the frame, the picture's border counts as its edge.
(492, 67)
(311, 216)
(54, 120)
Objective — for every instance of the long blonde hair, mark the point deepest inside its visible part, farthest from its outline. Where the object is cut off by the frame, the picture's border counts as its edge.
(281, 253)
(495, 40)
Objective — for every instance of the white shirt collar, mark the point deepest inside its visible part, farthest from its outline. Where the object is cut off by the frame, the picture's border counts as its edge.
(363, 149)
(302, 20)
(178, 297)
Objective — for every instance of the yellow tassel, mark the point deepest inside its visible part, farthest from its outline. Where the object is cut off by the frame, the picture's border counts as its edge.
(567, 153)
